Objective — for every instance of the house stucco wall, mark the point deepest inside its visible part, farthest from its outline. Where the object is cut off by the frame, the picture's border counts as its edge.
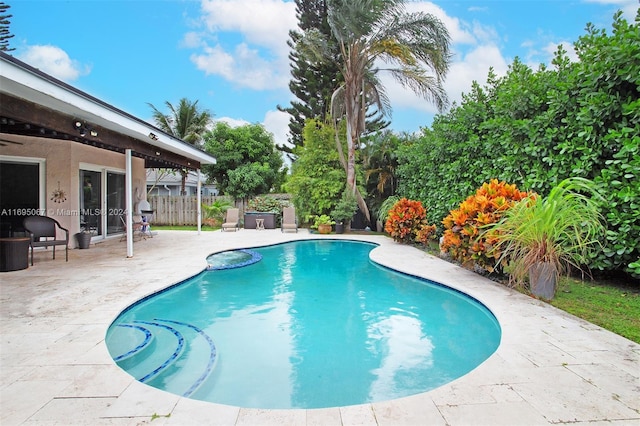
(62, 166)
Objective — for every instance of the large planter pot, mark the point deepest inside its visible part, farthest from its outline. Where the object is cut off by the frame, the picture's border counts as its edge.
(324, 229)
(542, 280)
(84, 239)
(340, 228)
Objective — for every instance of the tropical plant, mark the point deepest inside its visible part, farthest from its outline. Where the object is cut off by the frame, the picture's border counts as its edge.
(561, 229)
(387, 204)
(186, 122)
(465, 237)
(214, 212)
(407, 223)
(322, 219)
(380, 160)
(369, 32)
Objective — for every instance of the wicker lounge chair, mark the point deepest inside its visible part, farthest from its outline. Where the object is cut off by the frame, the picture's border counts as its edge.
(289, 221)
(232, 221)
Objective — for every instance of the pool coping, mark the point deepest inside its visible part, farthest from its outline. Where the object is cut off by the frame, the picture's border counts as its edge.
(550, 367)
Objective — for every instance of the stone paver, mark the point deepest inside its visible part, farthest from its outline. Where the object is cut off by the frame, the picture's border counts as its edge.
(550, 368)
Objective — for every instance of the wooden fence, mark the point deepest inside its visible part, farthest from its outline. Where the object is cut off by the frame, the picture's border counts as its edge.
(181, 210)
(177, 210)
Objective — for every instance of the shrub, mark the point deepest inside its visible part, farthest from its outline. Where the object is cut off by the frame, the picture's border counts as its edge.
(407, 223)
(265, 204)
(465, 238)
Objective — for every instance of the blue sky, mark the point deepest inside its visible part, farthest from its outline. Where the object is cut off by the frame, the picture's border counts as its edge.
(231, 55)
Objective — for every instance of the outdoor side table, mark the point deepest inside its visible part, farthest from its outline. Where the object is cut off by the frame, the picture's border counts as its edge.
(260, 224)
(14, 253)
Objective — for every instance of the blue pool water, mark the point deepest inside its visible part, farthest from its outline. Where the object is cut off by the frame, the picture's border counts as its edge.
(312, 324)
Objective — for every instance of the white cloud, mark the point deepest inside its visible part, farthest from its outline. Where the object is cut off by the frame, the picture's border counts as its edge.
(460, 32)
(551, 48)
(232, 122)
(475, 49)
(259, 59)
(244, 67)
(262, 22)
(629, 7)
(54, 61)
(277, 122)
(542, 51)
(192, 40)
(472, 66)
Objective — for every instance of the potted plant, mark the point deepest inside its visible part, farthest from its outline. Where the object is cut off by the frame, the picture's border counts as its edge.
(541, 237)
(323, 224)
(84, 238)
(344, 211)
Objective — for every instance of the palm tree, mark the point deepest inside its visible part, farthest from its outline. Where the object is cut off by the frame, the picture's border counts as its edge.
(370, 33)
(185, 122)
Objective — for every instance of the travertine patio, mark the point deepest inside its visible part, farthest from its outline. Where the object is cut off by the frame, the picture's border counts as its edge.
(550, 368)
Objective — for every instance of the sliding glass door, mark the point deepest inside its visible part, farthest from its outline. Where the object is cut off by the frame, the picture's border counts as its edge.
(91, 201)
(115, 203)
(102, 201)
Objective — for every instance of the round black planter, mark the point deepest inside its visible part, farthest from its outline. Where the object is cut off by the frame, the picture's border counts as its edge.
(339, 228)
(84, 239)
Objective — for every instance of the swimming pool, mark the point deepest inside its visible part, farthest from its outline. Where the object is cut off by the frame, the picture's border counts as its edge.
(312, 324)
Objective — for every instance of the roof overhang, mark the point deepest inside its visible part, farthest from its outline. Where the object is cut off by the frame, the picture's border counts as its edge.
(36, 104)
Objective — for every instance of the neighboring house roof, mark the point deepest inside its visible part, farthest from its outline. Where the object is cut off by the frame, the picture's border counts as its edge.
(34, 103)
(174, 178)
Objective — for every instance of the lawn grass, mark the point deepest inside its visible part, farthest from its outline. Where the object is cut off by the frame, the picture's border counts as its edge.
(613, 305)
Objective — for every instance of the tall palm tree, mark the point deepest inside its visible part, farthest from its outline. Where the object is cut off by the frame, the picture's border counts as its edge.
(413, 47)
(185, 122)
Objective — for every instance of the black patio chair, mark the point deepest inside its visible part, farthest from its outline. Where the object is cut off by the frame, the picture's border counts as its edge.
(42, 231)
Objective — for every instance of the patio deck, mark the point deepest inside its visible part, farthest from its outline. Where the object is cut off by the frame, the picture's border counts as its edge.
(550, 368)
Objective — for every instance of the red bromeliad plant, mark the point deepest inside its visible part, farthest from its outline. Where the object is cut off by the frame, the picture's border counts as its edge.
(406, 222)
(465, 237)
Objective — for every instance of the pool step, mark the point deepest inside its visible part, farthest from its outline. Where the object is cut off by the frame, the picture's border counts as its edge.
(161, 348)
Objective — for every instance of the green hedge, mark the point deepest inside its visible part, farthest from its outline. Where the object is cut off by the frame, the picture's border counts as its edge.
(536, 128)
